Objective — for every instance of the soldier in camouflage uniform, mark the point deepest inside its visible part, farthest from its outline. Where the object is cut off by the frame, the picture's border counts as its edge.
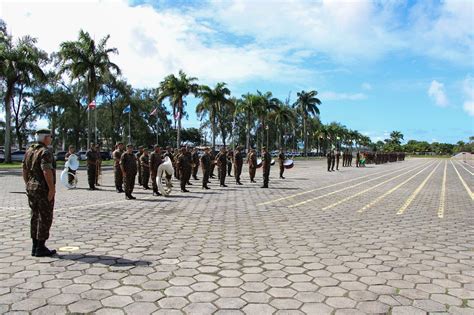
(98, 171)
(184, 166)
(221, 159)
(252, 161)
(238, 163)
(266, 162)
(138, 156)
(155, 161)
(128, 165)
(195, 158)
(92, 158)
(117, 155)
(39, 176)
(230, 158)
(281, 162)
(145, 167)
(206, 168)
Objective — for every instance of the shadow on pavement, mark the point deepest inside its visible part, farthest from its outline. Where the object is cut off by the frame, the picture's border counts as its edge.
(104, 260)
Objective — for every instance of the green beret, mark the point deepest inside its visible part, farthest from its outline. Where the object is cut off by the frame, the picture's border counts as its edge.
(43, 131)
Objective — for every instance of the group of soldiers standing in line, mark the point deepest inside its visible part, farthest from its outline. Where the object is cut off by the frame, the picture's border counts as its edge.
(362, 158)
(186, 162)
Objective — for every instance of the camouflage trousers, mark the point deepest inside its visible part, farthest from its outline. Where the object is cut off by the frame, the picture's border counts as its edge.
(91, 175)
(154, 185)
(185, 175)
(118, 177)
(129, 182)
(266, 176)
(252, 171)
(237, 171)
(205, 176)
(145, 178)
(195, 170)
(41, 214)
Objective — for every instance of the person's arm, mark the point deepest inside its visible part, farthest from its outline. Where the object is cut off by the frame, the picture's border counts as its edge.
(25, 174)
(48, 172)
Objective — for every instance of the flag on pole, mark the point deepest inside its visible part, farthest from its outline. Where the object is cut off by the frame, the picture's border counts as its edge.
(127, 109)
(154, 112)
(92, 105)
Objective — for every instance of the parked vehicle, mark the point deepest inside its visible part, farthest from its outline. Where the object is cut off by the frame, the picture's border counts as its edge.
(2, 156)
(105, 155)
(82, 155)
(61, 156)
(18, 156)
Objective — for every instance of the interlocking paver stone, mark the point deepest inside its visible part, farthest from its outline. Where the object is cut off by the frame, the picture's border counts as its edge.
(214, 252)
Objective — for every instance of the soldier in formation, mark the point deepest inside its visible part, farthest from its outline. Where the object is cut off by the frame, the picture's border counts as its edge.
(117, 155)
(195, 165)
(128, 165)
(238, 163)
(221, 159)
(145, 169)
(40, 180)
(206, 168)
(92, 160)
(98, 172)
(281, 162)
(138, 156)
(252, 161)
(155, 161)
(184, 166)
(266, 162)
(230, 157)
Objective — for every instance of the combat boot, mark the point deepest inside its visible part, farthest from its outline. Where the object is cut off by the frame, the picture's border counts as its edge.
(35, 246)
(43, 251)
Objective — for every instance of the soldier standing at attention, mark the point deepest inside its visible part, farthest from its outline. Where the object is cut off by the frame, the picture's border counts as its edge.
(128, 165)
(92, 166)
(195, 158)
(338, 155)
(206, 168)
(175, 160)
(358, 159)
(281, 161)
(99, 165)
(145, 165)
(184, 166)
(213, 162)
(230, 157)
(238, 163)
(333, 160)
(138, 156)
(329, 159)
(190, 158)
(70, 178)
(116, 155)
(222, 165)
(40, 179)
(266, 162)
(155, 161)
(252, 161)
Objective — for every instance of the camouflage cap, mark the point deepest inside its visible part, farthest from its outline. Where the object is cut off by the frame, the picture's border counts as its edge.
(43, 131)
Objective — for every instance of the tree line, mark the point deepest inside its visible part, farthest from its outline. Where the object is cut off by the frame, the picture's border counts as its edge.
(59, 87)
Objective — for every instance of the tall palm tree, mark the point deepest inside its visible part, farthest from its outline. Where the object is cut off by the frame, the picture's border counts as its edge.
(247, 107)
(396, 137)
(213, 102)
(266, 104)
(176, 89)
(283, 116)
(19, 62)
(307, 105)
(84, 59)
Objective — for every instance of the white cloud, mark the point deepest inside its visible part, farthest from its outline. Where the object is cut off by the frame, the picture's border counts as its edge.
(335, 96)
(366, 86)
(437, 93)
(151, 43)
(468, 88)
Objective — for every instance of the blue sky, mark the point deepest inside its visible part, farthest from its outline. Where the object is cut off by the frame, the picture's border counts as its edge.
(378, 65)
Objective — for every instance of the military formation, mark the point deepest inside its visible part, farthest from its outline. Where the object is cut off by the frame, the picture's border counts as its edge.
(361, 158)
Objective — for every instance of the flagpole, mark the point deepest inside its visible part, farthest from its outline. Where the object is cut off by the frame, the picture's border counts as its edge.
(129, 132)
(95, 125)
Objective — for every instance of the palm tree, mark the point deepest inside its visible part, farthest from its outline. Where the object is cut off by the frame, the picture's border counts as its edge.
(283, 116)
(84, 59)
(266, 104)
(213, 102)
(307, 104)
(247, 107)
(18, 63)
(177, 88)
(396, 137)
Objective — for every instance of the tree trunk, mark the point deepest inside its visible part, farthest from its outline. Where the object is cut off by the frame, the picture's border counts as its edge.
(304, 136)
(213, 127)
(8, 126)
(178, 131)
(247, 134)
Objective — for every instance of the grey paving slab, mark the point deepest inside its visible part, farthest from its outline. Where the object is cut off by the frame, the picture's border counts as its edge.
(315, 243)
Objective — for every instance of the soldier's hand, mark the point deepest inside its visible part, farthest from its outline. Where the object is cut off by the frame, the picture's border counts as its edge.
(51, 194)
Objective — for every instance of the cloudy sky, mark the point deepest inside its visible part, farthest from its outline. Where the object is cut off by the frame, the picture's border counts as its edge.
(378, 65)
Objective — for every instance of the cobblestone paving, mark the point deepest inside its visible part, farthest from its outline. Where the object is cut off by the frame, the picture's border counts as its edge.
(388, 239)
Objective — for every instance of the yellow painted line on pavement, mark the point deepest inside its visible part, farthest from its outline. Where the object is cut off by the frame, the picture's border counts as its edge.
(369, 189)
(350, 187)
(463, 182)
(416, 192)
(325, 187)
(442, 196)
(465, 168)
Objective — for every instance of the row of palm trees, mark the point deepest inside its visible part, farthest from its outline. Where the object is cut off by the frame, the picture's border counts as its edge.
(88, 63)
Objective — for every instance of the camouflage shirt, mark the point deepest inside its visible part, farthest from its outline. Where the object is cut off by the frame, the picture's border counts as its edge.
(129, 162)
(38, 158)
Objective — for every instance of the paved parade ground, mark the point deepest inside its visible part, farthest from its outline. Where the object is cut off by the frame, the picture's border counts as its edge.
(387, 239)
